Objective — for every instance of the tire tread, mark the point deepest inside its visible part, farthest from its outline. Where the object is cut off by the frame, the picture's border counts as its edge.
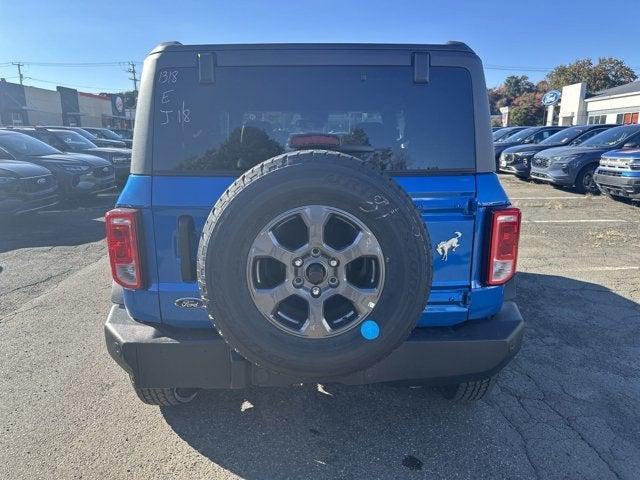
(271, 165)
(469, 391)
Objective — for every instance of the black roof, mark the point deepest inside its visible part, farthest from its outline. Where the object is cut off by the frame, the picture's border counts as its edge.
(632, 87)
(449, 46)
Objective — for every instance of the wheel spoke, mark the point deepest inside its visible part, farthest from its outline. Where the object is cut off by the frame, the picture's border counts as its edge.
(315, 326)
(301, 285)
(266, 245)
(363, 245)
(267, 299)
(364, 299)
(315, 216)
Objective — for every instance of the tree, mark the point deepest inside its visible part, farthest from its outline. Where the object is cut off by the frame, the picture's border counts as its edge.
(517, 85)
(527, 109)
(607, 73)
(504, 95)
(245, 148)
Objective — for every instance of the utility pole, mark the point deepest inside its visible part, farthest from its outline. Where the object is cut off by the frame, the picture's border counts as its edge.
(132, 71)
(19, 65)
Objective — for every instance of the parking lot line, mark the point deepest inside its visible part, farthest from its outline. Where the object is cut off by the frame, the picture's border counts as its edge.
(582, 269)
(550, 198)
(607, 269)
(586, 220)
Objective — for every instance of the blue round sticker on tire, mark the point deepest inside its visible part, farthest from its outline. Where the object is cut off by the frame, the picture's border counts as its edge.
(370, 330)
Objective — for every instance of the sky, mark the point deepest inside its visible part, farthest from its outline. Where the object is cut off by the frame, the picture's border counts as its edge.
(511, 37)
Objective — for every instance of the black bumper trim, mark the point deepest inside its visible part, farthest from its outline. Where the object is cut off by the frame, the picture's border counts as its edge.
(622, 186)
(161, 357)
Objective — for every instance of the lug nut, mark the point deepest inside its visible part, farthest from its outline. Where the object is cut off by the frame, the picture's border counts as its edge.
(333, 282)
(297, 262)
(297, 282)
(315, 252)
(334, 262)
(315, 292)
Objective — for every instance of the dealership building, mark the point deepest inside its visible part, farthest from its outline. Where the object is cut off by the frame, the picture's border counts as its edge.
(619, 105)
(26, 105)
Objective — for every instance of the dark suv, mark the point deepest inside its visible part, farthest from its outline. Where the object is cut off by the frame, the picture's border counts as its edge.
(517, 160)
(575, 166)
(306, 213)
(24, 187)
(528, 136)
(505, 132)
(72, 142)
(100, 142)
(106, 134)
(76, 174)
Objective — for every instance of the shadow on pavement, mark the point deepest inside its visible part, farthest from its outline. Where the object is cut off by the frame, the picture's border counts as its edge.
(66, 224)
(384, 431)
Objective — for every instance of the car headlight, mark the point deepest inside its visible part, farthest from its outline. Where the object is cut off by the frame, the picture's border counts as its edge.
(8, 184)
(634, 164)
(76, 168)
(564, 159)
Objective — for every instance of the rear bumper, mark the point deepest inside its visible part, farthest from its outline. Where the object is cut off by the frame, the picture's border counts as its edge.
(622, 186)
(158, 357)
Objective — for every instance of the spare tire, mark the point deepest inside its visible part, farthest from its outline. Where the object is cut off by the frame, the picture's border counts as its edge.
(314, 264)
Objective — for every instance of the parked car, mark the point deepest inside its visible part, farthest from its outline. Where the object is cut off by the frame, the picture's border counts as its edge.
(575, 166)
(495, 129)
(517, 160)
(77, 174)
(24, 187)
(124, 133)
(618, 175)
(505, 132)
(315, 264)
(72, 142)
(100, 142)
(528, 136)
(106, 134)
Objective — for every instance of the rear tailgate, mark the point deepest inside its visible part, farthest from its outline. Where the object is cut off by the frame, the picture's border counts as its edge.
(445, 202)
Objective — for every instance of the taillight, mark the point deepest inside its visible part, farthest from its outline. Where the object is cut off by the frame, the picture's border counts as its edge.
(503, 249)
(122, 243)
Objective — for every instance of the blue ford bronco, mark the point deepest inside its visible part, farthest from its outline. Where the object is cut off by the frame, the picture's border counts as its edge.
(304, 213)
(618, 175)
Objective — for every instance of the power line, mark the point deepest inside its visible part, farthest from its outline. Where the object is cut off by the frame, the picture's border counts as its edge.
(74, 85)
(73, 64)
(517, 68)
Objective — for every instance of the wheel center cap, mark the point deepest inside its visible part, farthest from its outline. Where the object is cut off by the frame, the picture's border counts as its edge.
(316, 273)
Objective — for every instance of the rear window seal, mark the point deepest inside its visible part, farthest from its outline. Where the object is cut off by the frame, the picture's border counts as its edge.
(393, 173)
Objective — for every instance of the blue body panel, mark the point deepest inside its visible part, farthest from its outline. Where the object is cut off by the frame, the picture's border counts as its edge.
(448, 204)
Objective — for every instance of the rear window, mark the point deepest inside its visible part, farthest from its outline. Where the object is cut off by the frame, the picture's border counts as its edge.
(251, 114)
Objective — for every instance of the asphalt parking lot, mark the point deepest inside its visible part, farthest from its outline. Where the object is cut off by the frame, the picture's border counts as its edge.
(567, 407)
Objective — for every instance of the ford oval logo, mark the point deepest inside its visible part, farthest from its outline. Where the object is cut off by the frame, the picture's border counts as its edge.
(551, 98)
(189, 302)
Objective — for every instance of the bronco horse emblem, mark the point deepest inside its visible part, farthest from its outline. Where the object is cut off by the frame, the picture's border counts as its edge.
(446, 245)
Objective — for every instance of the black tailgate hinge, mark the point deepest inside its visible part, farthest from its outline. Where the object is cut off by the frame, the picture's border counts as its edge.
(421, 64)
